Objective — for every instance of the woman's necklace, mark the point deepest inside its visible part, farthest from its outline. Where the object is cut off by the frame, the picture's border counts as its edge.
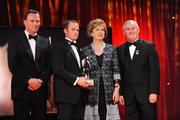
(98, 50)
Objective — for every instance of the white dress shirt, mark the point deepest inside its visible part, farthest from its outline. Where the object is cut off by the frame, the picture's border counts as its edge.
(32, 44)
(132, 49)
(77, 57)
(75, 52)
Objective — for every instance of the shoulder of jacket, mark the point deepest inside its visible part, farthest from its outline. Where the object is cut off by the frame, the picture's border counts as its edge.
(145, 42)
(121, 46)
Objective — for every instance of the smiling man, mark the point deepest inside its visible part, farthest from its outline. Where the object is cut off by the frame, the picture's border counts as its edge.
(139, 66)
(29, 62)
(69, 83)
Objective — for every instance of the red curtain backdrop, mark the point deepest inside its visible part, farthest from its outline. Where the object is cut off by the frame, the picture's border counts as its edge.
(159, 21)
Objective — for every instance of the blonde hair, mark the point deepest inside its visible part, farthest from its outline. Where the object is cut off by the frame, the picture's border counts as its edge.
(94, 23)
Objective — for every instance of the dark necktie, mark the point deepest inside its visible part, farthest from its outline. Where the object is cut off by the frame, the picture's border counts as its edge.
(33, 37)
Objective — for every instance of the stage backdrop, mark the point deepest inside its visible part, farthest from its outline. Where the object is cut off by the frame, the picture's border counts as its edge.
(7, 34)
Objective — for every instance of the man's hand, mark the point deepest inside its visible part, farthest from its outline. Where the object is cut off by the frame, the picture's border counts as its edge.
(34, 84)
(82, 82)
(153, 98)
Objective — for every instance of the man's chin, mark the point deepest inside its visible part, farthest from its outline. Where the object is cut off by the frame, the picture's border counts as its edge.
(35, 31)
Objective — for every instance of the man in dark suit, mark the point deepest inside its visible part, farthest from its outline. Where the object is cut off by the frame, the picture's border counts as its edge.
(29, 62)
(69, 83)
(140, 75)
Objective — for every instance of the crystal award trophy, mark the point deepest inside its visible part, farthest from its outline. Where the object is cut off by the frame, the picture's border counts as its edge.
(86, 70)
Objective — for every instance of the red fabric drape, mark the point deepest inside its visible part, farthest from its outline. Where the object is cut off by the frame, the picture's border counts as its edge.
(152, 27)
(159, 22)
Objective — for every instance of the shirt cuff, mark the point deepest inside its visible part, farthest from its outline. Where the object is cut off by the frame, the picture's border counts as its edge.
(76, 81)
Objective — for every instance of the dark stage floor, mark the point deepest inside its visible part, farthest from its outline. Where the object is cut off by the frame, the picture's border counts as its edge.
(49, 117)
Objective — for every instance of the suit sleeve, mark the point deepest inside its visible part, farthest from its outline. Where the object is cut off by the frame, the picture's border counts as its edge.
(46, 74)
(154, 70)
(121, 71)
(18, 73)
(59, 68)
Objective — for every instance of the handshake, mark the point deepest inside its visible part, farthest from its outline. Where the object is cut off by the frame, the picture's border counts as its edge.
(85, 82)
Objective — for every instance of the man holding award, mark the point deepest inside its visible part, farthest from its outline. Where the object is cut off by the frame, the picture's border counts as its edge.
(69, 83)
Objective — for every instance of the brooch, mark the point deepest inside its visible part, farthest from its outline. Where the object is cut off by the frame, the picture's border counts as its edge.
(137, 52)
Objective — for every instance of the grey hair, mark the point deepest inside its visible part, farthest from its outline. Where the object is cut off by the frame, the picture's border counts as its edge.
(131, 21)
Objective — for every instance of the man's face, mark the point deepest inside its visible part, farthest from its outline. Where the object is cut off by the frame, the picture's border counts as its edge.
(131, 31)
(32, 23)
(72, 31)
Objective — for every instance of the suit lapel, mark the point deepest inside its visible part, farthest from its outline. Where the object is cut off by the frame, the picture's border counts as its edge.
(127, 54)
(27, 46)
(80, 55)
(71, 51)
(38, 46)
(138, 51)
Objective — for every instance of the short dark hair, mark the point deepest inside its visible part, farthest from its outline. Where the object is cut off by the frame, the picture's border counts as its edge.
(66, 23)
(28, 12)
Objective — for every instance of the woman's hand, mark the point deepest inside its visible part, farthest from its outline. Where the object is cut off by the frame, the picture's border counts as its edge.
(116, 95)
(121, 100)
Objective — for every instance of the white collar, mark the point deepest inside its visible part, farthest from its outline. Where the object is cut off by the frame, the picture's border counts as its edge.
(70, 40)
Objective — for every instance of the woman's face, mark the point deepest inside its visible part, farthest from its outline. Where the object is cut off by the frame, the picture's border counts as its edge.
(98, 32)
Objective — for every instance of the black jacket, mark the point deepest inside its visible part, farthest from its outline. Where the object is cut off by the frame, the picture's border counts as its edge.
(66, 70)
(23, 66)
(141, 75)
